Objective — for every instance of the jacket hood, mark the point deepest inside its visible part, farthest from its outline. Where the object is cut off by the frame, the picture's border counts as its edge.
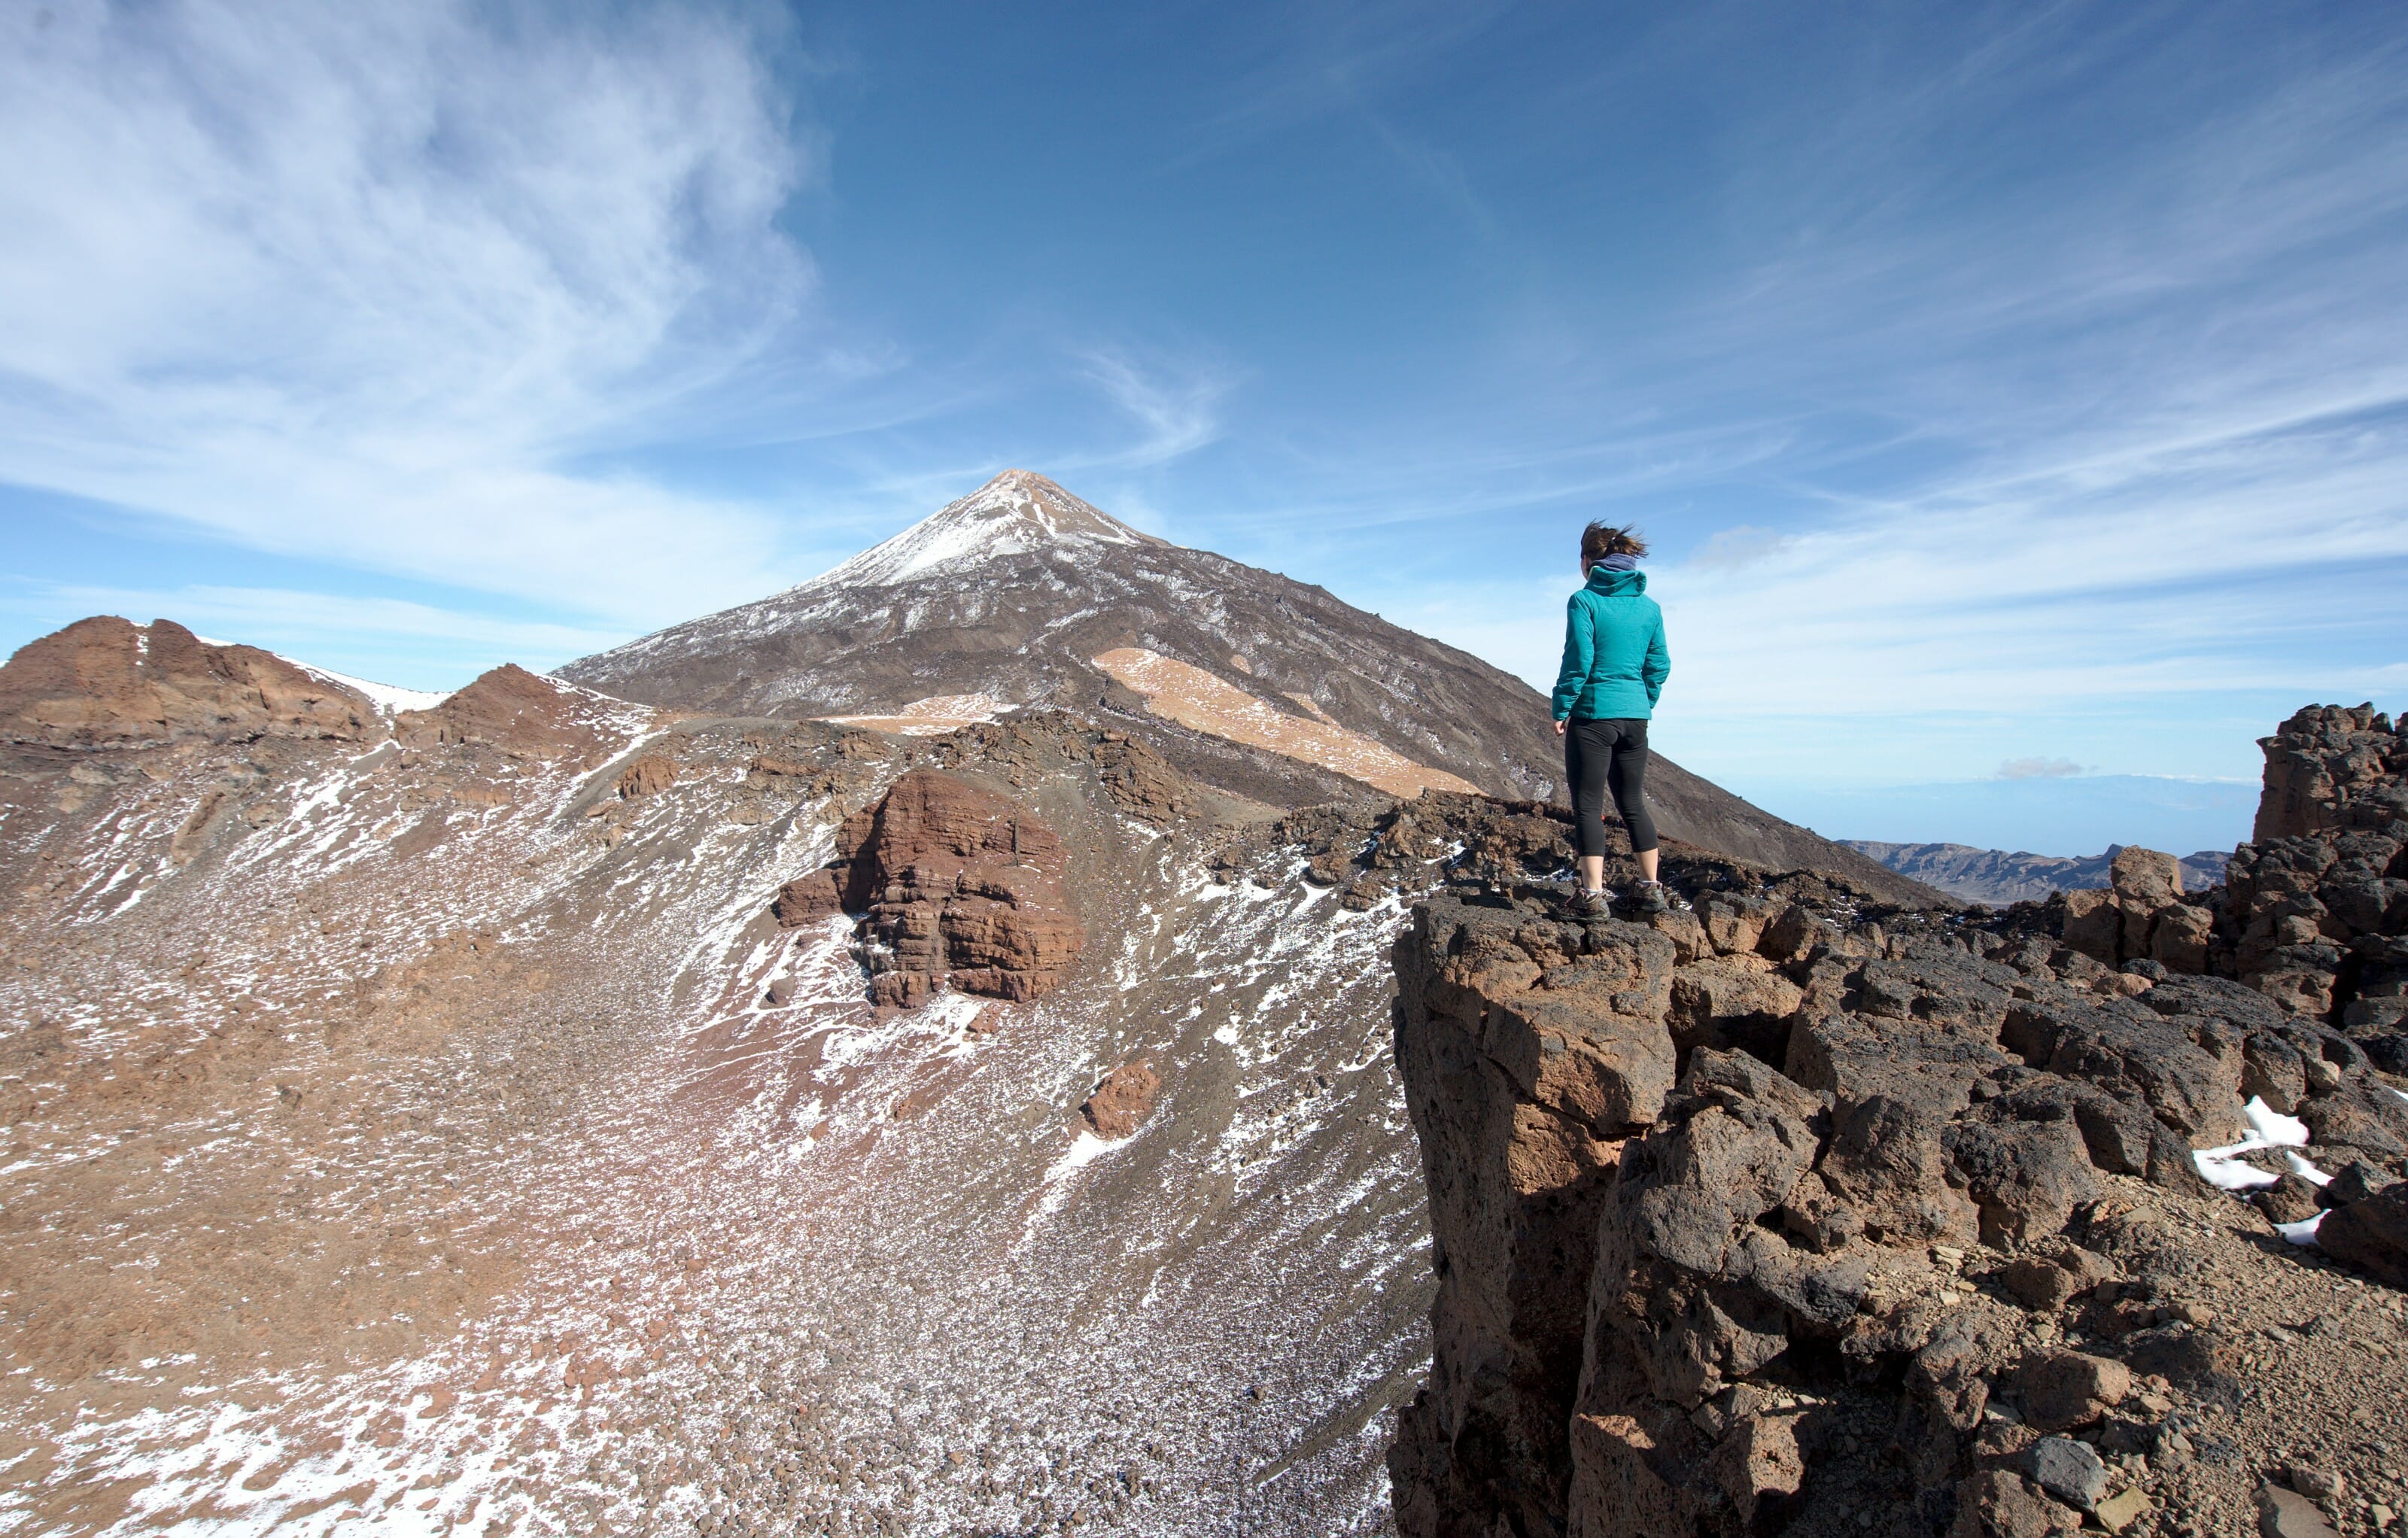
(1615, 584)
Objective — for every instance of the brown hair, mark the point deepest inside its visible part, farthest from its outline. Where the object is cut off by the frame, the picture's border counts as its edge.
(1600, 541)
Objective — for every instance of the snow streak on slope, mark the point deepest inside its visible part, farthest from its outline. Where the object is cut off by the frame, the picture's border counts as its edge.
(644, 1216)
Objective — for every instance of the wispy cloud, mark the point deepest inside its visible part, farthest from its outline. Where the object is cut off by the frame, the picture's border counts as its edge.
(1177, 410)
(383, 283)
(1988, 441)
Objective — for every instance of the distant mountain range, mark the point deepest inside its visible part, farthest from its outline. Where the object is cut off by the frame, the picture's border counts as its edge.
(1997, 877)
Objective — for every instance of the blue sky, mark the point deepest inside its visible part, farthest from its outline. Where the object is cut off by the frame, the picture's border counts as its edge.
(2017, 396)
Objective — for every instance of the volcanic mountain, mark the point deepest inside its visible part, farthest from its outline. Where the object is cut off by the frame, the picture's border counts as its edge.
(539, 1113)
(1022, 595)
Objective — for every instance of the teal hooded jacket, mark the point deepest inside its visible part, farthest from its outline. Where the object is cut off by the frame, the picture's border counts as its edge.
(1614, 661)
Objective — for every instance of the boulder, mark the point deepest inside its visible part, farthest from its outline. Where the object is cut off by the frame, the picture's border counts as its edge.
(2070, 1470)
(2287, 1513)
(1122, 1098)
(2066, 1391)
(2354, 1182)
(2046, 1282)
(2371, 1234)
(2290, 1199)
(2002, 1503)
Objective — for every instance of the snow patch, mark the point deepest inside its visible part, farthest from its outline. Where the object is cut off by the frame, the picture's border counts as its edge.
(389, 699)
(2226, 1171)
(2303, 1232)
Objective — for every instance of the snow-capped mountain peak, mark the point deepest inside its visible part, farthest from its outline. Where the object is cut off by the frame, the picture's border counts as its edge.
(1016, 513)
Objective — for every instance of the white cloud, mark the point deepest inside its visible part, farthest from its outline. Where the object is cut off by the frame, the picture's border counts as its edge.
(2038, 768)
(383, 284)
(1733, 549)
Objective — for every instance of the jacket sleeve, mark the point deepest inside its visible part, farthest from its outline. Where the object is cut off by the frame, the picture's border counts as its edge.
(1580, 654)
(1658, 665)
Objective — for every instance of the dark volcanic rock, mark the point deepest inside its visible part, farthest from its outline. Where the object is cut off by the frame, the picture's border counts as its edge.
(1865, 1101)
(2371, 1234)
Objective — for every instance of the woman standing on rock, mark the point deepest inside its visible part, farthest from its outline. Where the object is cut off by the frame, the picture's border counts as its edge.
(1614, 665)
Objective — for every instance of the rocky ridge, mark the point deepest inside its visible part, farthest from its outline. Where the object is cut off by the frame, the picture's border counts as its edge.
(1787, 1214)
(106, 681)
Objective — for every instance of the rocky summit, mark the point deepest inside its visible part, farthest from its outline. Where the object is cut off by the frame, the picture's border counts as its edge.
(928, 1069)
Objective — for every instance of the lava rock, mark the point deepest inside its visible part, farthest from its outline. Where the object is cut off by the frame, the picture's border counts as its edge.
(2002, 1503)
(2356, 1181)
(2284, 1514)
(2068, 1471)
(2290, 1200)
(2371, 1234)
(2064, 1390)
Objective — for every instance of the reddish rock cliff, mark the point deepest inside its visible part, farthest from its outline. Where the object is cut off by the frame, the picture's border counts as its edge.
(106, 682)
(957, 885)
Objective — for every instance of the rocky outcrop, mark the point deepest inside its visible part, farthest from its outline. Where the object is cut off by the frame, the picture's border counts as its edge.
(1751, 1215)
(647, 776)
(955, 887)
(107, 683)
(2140, 915)
(2329, 770)
(2316, 912)
(1122, 1101)
(519, 713)
(2313, 913)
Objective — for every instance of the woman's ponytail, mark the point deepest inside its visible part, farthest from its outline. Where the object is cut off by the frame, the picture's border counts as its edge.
(1600, 541)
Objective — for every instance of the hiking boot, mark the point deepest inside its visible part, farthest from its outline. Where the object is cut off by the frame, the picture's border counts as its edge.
(1651, 898)
(1592, 905)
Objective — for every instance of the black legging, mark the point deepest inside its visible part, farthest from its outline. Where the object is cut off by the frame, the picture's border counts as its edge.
(1597, 753)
